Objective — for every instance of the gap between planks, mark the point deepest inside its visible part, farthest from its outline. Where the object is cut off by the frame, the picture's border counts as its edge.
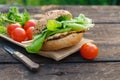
(70, 61)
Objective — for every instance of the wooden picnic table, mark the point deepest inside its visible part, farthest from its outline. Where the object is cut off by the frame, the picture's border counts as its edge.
(105, 34)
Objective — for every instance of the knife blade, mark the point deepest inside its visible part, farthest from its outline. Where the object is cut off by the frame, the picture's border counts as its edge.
(22, 58)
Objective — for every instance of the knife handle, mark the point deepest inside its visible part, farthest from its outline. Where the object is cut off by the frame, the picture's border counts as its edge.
(24, 59)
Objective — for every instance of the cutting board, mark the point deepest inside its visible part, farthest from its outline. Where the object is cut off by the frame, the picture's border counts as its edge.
(56, 55)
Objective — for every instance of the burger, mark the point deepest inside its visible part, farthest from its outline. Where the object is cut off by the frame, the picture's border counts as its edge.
(57, 30)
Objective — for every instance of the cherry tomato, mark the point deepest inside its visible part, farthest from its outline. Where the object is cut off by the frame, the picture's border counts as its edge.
(19, 34)
(11, 27)
(89, 51)
(29, 33)
(29, 23)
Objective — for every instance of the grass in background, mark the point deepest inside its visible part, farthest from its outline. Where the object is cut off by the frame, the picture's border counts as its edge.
(60, 2)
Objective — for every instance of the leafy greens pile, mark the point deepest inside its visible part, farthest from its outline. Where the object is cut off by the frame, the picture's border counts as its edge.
(13, 16)
(59, 26)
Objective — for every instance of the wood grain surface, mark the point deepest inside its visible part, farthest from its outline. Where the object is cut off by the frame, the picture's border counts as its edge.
(105, 34)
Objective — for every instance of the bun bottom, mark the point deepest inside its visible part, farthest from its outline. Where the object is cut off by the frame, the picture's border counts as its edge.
(68, 41)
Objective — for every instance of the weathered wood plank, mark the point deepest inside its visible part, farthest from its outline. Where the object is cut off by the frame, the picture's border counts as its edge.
(97, 13)
(88, 71)
(106, 36)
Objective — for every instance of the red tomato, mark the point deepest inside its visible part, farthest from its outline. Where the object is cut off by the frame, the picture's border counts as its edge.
(18, 34)
(29, 33)
(11, 27)
(89, 51)
(29, 23)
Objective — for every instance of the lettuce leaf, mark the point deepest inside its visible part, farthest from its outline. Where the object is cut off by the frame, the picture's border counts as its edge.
(3, 30)
(36, 44)
(53, 25)
(78, 23)
(64, 18)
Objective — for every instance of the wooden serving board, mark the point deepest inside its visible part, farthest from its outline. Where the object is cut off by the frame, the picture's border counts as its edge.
(56, 55)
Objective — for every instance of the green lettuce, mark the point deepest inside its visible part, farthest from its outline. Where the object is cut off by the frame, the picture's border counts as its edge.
(3, 30)
(36, 44)
(53, 25)
(14, 16)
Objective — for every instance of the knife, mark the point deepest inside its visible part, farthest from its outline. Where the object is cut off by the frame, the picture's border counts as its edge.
(22, 58)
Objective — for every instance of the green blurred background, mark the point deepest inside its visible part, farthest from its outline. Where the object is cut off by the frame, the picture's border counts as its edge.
(59, 2)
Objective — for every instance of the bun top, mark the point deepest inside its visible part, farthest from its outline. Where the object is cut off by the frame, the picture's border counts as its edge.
(50, 15)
